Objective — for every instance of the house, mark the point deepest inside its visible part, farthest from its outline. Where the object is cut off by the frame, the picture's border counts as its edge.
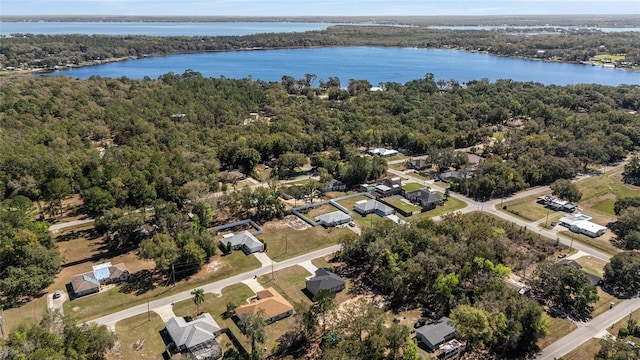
(559, 204)
(365, 188)
(579, 223)
(231, 176)
(274, 306)
(102, 274)
(383, 152)
(455, 176)
(334, 185)
(333, 219)
(436, 333)
(385, 190)
(365, 207)
(420, 164)
(197, 337)
(324, 279)
(390, 182)
(593, 279)
(425, 198)
(244, 241)
(473, 160)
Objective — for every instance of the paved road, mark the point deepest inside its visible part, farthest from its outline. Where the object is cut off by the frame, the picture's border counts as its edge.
(214, 287)
(584, 332)
(59, 226)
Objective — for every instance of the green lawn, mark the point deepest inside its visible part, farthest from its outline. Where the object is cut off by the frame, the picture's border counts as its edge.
(401, 204)
(27, 314)
(527, 208)
(603, 303)
(285, 242)
(597, 243)
(349, 204)
(600, 192)
(143, 330)
(585, 351)
(610, 56)
(320, 210)
(289, 283)
(94, 306)
(412, 187)
(558, 328)
(592, 264)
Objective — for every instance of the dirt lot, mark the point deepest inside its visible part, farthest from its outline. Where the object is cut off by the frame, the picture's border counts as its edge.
(291, 221)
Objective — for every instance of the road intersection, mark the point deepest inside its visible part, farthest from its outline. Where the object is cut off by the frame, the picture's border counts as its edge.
(583, 333)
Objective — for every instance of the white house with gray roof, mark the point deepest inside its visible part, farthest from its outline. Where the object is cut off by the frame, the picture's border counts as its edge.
(333, 219)
(244, 241)
(365, 207)
(324, 279)
(197, 337)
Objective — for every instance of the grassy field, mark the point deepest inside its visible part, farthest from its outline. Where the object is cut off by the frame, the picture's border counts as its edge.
(113, 300)
(600, 192)
(283, 242)
(585, 351)
(412, 187)
(28, 314)
(141, 329)
(597, 243)
(526, 208)
(592, 264)
(399, 202)
(289, 283)
(557, 328)
(320, 210)
(349, 204)
(603, 304)
(610, 56)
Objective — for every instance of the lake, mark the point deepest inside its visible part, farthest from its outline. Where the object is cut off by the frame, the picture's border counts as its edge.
(375, 64)
(157, 28)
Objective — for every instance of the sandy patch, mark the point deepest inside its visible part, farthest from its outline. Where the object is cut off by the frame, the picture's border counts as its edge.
(213, 266)
(293, 222)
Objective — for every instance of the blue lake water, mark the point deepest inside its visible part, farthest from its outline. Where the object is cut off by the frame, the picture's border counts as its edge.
(157, 28)
(375, 64)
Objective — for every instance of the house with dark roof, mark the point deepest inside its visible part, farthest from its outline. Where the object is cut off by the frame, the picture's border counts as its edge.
(436, 333)
(455, 176)
(334, 185)
(424, 198)
(365, 207)
(420, 164)
(333, 218)
(324, 279)
(244, 241)
(102, 274)
(269, 301)
(197, 338)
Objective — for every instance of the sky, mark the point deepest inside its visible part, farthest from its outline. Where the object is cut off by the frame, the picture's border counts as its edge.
(316, 7)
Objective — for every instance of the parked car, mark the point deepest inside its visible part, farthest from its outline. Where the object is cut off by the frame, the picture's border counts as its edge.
(57, 295)
(420, 323)
(554, 223)
(352, 224)
(562, 256)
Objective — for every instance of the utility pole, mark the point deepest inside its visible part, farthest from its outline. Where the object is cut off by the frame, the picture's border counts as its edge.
(173, 273)
(571, 246)
(546, 223)
(148, 311)
(272, 274)
(286, 243)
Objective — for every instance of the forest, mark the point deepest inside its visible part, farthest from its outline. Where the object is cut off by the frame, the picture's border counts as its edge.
(566, 45)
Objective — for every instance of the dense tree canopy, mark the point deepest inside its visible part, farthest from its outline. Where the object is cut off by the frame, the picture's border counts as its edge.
(458, 261)
(622, 273)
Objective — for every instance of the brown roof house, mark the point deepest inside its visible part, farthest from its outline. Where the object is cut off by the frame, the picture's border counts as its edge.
(102, 274)
(274, 306)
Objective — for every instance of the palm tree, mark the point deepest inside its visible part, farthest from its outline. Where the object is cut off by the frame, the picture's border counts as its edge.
(198, 298)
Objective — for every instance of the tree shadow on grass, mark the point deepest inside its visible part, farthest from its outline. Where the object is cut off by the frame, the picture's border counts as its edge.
(142, 282)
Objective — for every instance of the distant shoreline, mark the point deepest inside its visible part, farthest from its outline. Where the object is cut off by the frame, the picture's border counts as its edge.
(616, 21)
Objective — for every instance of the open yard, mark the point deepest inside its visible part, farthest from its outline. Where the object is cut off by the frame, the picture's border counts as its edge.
(527, 208)
(349, 204)
(558, 328)
(142, 331)
(283, 242)
(122, 297)
(603, 304)
(412, 187)
(599, 193)
(592, 264)
(402, 204)
(585, 351)
(289, 283)
(599, 243)
(320, 210)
